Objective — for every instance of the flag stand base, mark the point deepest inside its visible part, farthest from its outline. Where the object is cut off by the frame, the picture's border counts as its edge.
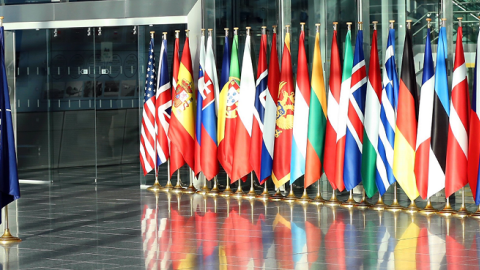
(447, 210)
(190, 189)
(204, 190)
(168, 187)
(379, 206)
(462, 212)
(7, 238)
(264, 196)
(304, 199)
(291, 197)
(214, 191)
(395, 206)
(333, 200)
(428, 210)
(178, 187)
(228, 191)
(363, 204)
(251, 193)
(156, 187)
(476, 215)
(318, 200)
(412, 208)
(350, 202)
(239, 193)
(277, 196)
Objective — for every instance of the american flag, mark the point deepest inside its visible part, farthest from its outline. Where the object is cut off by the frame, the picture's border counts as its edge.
(147, 138)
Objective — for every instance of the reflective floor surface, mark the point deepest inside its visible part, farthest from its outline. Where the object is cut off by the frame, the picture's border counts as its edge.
(123, 227)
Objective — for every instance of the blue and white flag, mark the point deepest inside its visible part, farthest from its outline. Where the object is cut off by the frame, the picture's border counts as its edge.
(386, 129)
(9, 187)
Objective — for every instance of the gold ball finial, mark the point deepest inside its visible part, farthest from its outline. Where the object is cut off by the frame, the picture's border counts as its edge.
(151, 32)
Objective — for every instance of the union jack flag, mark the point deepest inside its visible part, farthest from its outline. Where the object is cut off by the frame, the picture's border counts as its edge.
(147, 138)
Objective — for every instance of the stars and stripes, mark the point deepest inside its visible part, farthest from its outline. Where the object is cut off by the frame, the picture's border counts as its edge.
(148, 134)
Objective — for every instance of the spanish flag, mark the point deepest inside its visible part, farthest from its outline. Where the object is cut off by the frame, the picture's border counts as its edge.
(406, 127)
(182, 125)
(284, 129)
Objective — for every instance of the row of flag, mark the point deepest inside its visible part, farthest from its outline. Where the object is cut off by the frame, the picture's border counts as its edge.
(241, 239)
(267, 125)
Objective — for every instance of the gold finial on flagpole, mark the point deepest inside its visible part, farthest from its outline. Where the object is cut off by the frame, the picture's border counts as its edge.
(235, 30)
(248, 30)
(152, 33)
(165, 35)
(274, 29)
(317, 27)
(264, 30)
(203, 31)
(1, 21)
(335, 26)
(210, 32)
(444, 22)
(187, 33)
(391, 23)
(226, 31)
(375, 25)
(177, 33)
(287, 29)
(459, 21)
(428, 22)
(409, 24)
(360, 25)
(302, 26)
(349, 25)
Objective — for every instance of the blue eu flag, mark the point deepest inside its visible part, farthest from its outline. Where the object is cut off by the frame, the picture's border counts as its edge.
(9, 188)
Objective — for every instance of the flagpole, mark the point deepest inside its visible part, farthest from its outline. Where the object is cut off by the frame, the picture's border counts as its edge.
(214, 191)
(333, 200)
(239, 193)
(190, 189)
(412, 207)
(251, 193)
(462, 212)
(318, 200)
(277, 196)
(204, 190)
(156, 187)
(265, 195)
(168, 187)
(228, 191)
(447, 210)
(291, 196)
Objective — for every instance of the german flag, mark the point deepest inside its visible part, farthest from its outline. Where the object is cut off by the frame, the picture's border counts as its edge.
(406, 126)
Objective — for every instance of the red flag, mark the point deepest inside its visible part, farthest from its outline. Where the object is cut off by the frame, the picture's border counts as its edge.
(284, 129)
(259, 112)
(332, 115)
(283, 242)
(456, 172)
(335, 244)
(182, 125)
(176, 159)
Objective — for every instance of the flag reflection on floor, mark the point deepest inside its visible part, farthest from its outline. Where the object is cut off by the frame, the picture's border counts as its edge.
(196, 232)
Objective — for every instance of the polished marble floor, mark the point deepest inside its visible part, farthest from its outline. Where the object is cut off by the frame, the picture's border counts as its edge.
(70, 225)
